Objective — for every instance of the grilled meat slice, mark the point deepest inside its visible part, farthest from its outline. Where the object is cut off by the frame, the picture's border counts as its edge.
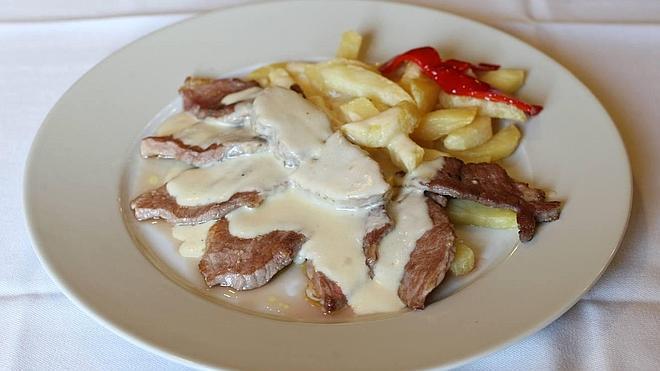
(378, 225)
(171, 147)
(159, 204)
(490, 185)
(324, 290)
(203, 96)
(430, 259)
(246, 264)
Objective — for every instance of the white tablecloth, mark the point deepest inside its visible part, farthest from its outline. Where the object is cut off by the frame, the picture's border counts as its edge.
(613, 46)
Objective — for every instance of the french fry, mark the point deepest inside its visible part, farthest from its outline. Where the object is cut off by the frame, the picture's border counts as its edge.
(354, 81)
(391, 172)
(505, 80)
(437, 124)
(404, 152)
(432, 154)
(280, 77)
(463, 262)
(423, 90)
(469, 136)
(260, 75)
(501, 145)
(297, 70)
(358, 109)
(377, 131)
(487, 108)
(350, 44)
(472, 213)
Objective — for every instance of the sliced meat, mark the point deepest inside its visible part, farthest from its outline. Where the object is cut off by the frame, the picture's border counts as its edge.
(173, 148)
(246, 264)
(327, 292)
(324, 291)
(429, 260)
(378, 225)
(203, 96)
(159, 204)
(490, 185)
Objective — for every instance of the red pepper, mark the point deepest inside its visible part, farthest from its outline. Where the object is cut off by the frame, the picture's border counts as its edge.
(451, 76)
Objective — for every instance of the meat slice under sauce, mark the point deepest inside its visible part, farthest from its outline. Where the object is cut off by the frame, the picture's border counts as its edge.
(490, 185)
(159, 204)
(246, 264)
(327, 292)
(203, 96)
(173, 147)
(429, 260)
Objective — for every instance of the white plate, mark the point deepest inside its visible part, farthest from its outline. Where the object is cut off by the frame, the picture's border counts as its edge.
(73, 205)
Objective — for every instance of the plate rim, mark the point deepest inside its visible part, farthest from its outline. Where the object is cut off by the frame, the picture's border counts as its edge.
(173, 355)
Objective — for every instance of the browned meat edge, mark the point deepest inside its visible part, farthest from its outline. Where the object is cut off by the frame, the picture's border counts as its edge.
(324, 290)
(202, 96)
(246, 264)
(159, 204)
(372, 239)
(430, 259)
(490, 185)
(171, 147)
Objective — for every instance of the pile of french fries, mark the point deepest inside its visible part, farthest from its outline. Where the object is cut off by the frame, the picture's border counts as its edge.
(408, 119)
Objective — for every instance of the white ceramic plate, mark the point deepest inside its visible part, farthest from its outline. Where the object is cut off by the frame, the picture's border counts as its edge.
(74, 209)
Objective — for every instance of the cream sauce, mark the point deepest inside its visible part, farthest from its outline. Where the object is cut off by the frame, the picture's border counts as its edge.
(334, 242)
(176, 122)
(424, 172)
(203, 134)
(260, 172)
(296, 128)
(343, 173)
(247, 94)
(193, 238)
(410, 215)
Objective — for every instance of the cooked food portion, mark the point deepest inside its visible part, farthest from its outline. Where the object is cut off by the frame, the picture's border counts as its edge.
(345, 167)
(490, 185)
(200, 195)
(378, 225)
(343, 174)
(430, 259)
(204, 96)
(160, 204)
(246, 264)
(323, 290)
(296, 129)
(203, 144)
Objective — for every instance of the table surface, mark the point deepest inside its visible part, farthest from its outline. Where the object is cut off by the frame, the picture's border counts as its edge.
(612, 46)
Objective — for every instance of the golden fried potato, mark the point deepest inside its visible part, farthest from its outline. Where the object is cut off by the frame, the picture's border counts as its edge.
(505, 80)
(432, 154)
(391, 172)
(472, 135)
(463, 262)
(358, 109)
(486, 108)
(423, 90)
(377, 131)
(350, 44)
(501, 145)
(404, 152)
(472, 213)
(354, 81)
(437, 124)
(280, 77)
(260, 75)
(297, 70)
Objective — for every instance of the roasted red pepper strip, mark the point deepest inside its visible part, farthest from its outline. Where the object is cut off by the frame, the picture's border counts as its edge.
(452, 78)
